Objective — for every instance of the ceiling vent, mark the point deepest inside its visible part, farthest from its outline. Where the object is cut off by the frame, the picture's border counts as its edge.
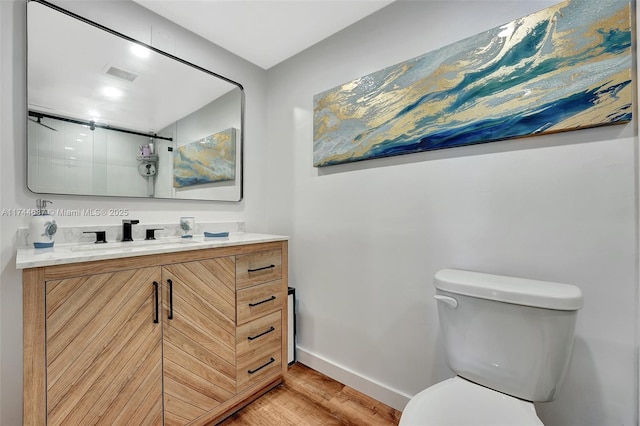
(120, 73)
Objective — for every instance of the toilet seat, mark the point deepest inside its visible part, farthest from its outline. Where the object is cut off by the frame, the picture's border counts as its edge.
(458, 402)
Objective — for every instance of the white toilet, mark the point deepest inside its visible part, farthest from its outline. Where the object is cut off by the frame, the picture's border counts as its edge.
(508, 340)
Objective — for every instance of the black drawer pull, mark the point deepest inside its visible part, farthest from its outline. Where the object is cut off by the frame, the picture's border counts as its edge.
(271, 361)
(262, 301)
(261, 269)
(155, 297)
(170, 316)
(261, 334)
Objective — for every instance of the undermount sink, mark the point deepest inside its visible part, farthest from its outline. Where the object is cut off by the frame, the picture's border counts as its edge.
(129, 244)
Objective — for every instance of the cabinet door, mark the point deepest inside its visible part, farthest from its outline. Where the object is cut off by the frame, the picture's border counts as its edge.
(104, 350)
(199, 337)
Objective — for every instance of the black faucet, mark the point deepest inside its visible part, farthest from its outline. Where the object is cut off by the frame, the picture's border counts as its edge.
(126, 229)
(150, 235)
(101, 236)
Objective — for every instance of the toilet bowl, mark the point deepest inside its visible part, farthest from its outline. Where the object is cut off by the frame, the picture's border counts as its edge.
(508, 340)
(457, 402)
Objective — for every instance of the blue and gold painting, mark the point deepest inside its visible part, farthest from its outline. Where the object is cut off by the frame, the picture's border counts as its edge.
(210, 159)
(563, 68)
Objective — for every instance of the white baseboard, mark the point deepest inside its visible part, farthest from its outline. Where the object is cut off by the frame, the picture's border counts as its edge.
(369, 387)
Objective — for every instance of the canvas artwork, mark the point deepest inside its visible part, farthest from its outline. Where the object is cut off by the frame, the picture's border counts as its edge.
(211, 159)
(564, 68)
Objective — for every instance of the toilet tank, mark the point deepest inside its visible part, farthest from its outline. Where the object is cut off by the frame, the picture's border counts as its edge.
(509, 334)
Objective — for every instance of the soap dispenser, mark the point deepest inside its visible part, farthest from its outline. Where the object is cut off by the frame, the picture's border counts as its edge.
(42, 228)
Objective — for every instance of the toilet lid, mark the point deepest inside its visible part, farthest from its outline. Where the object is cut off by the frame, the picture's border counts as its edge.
(458, 402)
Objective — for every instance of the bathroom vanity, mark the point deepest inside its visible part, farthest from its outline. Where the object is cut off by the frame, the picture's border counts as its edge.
(165, 333)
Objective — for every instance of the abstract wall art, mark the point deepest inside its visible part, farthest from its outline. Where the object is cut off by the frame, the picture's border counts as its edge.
(210, 159)
(566, 67)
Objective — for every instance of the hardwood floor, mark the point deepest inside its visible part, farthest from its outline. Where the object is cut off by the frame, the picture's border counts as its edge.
(310, 398)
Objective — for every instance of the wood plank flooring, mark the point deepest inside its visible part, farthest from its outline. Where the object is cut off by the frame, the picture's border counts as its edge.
(309, 398)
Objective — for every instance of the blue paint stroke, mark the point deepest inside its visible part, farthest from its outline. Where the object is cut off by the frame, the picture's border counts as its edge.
(497, 128)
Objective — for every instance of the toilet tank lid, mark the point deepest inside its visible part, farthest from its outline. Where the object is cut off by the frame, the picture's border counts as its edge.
(519, 291)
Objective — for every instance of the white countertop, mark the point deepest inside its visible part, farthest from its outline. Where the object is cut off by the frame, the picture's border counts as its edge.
(75, 253)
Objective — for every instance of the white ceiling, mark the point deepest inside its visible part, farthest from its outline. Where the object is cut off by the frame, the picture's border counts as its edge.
(264, 32)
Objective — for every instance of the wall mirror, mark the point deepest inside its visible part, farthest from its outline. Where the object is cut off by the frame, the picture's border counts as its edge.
(111, 116)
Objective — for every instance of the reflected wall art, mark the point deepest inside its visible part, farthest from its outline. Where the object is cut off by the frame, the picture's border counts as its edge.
(210, 159)
(564, 68)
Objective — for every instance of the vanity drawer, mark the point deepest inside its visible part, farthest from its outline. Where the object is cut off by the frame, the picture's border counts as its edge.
(258, 300)
(258, 365)
(255, 336)
(258, 267)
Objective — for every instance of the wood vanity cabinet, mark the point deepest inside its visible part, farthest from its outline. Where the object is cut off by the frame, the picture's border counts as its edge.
(175, 339)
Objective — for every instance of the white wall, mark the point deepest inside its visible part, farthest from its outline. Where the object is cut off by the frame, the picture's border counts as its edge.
(368, 237)
(131, 19)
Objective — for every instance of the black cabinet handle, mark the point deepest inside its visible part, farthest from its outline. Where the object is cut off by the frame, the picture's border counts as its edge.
(272, 360)
(155, 294)
(262, 301)
(262, 334)
(170, 299)
(261, 269)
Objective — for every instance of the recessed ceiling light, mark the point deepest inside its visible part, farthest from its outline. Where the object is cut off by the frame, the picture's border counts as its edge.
(140, 51)
(111, 92)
